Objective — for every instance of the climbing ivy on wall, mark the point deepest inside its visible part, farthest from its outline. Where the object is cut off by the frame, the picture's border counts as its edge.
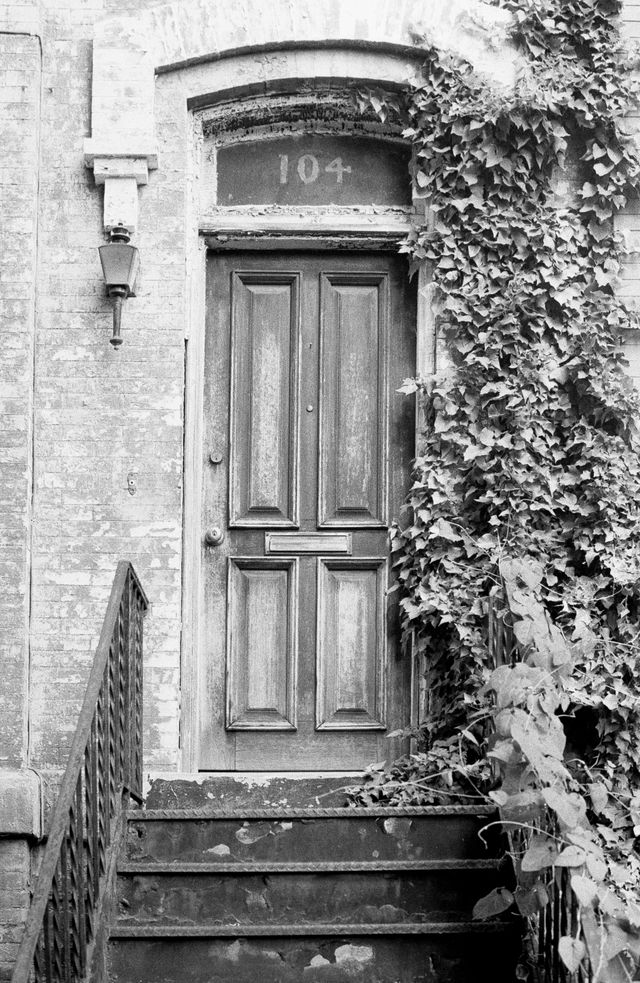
(529, 470)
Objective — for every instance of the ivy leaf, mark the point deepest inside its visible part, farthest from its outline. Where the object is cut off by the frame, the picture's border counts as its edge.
(569, 807)
(494, 157)
(633, 914)
(445, 530)
(601, 169)
(408, 387)
(499, 797)
(572, 952)
(517, 572)
(597, 151)
(499, 900)
(504, 751)
(619, 873)
(599, 796)
(530, 901)
(585, 890)
(571, 856)
(603, 279)
(542, 852)
(596, 867)
(486, 437)
(618, 940)
(621, 968)
(472, 451)
(542, 741)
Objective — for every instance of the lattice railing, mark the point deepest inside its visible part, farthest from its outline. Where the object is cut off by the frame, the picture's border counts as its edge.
(104, 769)
(500, 638)
(562, 915)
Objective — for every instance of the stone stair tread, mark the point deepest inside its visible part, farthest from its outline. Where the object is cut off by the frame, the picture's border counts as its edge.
(341, 834)
(124, 930)
(306, 812)
(301, 866)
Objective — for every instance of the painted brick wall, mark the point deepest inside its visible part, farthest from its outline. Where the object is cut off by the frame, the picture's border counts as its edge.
(99, 413)
(20, 79)
(19, 128)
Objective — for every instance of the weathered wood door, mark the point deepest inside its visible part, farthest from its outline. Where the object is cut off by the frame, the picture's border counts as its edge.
(307, 455)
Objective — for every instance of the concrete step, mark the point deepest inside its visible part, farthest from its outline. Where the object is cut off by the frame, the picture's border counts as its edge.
(424, 953)
(218, 836)
(303, 893)
(247, 790)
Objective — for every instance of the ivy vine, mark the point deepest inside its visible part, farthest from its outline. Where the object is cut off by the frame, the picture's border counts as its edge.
(528, 474)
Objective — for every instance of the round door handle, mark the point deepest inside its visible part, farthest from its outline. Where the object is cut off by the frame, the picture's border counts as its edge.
(214, 536)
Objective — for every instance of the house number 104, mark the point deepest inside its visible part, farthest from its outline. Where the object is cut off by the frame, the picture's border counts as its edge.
(308, 169)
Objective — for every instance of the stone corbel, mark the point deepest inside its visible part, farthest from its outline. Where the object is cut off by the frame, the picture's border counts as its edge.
(121, 178)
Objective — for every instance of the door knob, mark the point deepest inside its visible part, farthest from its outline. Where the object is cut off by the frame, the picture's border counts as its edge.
(213, 536)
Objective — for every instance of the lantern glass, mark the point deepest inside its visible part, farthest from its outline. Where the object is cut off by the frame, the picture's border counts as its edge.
(120, 263)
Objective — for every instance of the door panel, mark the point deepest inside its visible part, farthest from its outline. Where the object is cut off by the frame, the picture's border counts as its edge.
(353, 434)
(351, 645)
(265, 326)
(262, 644)
(307, 456)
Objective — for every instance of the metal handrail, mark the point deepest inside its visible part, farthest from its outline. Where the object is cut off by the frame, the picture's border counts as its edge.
(562, 915)
(105, 764)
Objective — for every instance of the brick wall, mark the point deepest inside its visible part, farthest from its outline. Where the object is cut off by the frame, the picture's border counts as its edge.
(20, 91)
(99, 413)
(14, 898)
(19, 130)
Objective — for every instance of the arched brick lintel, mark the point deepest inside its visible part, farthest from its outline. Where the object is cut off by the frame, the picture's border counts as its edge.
(409, 52)
(177, 32)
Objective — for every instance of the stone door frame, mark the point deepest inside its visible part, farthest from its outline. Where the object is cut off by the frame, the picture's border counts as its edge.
(219, 229)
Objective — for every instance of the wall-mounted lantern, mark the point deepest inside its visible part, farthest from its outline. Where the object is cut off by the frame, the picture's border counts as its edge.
(120, 262)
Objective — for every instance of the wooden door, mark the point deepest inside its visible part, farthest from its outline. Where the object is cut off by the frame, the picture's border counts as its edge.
(307, 453)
